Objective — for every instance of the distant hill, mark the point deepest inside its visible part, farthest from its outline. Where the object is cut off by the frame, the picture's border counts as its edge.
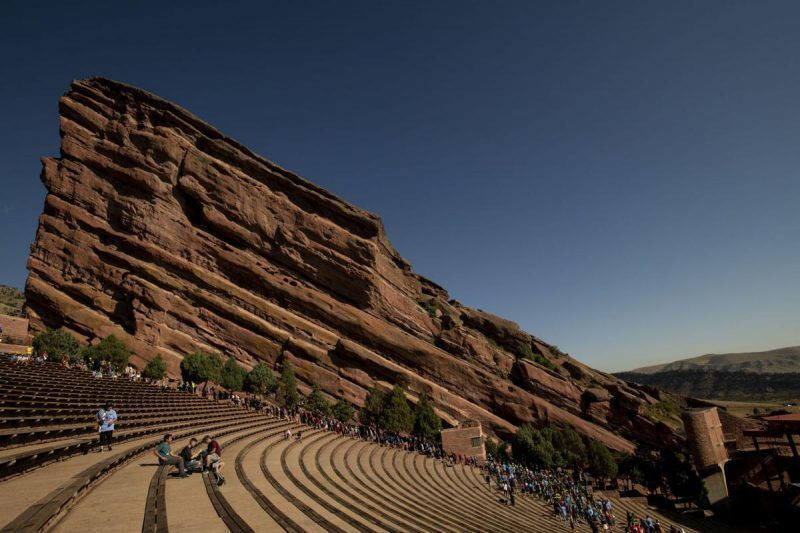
(722, 384)
(11, 301)
(778, 361)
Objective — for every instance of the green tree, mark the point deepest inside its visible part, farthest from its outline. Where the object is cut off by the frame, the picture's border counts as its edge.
(682, 479)
(601, 461)
(499, 450)
(531, 446)
(156, 368)
(427, 424)
(56, 343)
(260, 380)
(232, 375)
(397, 414)
(110, 349)
(316, 402)
(372, 413)
(201, 367)
(287, 387)
(342, 411)
(570, 447)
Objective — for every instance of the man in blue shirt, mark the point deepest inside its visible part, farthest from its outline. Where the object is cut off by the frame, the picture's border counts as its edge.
(106, 417)
(164, 453)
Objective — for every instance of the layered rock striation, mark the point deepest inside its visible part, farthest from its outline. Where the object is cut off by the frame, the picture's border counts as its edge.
(159, 229)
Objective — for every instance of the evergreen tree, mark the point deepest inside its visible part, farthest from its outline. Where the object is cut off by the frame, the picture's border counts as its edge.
(532, 447)
(260, 380)
(287, 388)
(110, 349)
(56, 343)
(316, 402)
(213, 367)
(201, 367)
(156, 368)
(427, 424)
(499, 450)
(682, 479)
(397, 415)
(372, 413)
(232, 375)
(342, 411)
(601, 461)
(570, 447)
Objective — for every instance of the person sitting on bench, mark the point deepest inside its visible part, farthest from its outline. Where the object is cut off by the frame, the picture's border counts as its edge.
(165, 457)
(212, 458)
(192, 461)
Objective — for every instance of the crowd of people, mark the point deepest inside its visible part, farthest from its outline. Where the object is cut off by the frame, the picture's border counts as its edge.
(568, 493)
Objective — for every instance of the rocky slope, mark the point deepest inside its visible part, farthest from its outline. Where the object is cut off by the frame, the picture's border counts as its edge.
(161, 230)
(11, 301)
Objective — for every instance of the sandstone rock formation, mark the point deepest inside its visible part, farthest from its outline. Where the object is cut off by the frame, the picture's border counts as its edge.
(159, 229)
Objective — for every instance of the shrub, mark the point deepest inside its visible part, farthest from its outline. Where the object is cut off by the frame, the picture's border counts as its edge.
(524, 351)
(663, 410)
(156, 368)
(57, 343)
(430, 307)
(260, 380)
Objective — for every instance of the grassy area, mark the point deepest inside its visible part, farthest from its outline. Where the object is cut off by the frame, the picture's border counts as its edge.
(525, 352)
(746, 408)
(430, 307)
(664, 410)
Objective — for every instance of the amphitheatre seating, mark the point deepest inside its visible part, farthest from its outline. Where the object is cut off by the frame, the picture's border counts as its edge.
(323, 482)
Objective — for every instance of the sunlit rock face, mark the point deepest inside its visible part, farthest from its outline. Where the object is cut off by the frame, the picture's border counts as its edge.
(159, 229)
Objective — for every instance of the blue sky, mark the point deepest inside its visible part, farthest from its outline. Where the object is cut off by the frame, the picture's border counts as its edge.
(622, 179)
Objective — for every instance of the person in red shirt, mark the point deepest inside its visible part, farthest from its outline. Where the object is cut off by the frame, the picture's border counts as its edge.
(213, 458)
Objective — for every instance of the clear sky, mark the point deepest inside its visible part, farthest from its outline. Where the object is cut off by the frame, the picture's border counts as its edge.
(620, 178)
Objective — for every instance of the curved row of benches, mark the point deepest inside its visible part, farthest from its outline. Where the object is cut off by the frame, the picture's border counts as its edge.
(324, 482)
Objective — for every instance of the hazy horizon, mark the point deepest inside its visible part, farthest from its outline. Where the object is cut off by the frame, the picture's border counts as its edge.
(621, 180)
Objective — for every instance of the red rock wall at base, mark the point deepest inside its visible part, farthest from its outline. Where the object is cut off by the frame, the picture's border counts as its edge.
(15, 330)
(159, 229)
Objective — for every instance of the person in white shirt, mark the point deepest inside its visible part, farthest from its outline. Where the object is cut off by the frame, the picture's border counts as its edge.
(106, 417)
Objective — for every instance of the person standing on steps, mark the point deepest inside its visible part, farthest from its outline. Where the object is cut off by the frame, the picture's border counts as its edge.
(106, 417)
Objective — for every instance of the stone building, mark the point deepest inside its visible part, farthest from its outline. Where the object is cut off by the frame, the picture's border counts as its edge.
(465, 439)
(705, 437)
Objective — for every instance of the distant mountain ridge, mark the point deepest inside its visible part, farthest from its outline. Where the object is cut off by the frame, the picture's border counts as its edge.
(722, 384)
(777, 361)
